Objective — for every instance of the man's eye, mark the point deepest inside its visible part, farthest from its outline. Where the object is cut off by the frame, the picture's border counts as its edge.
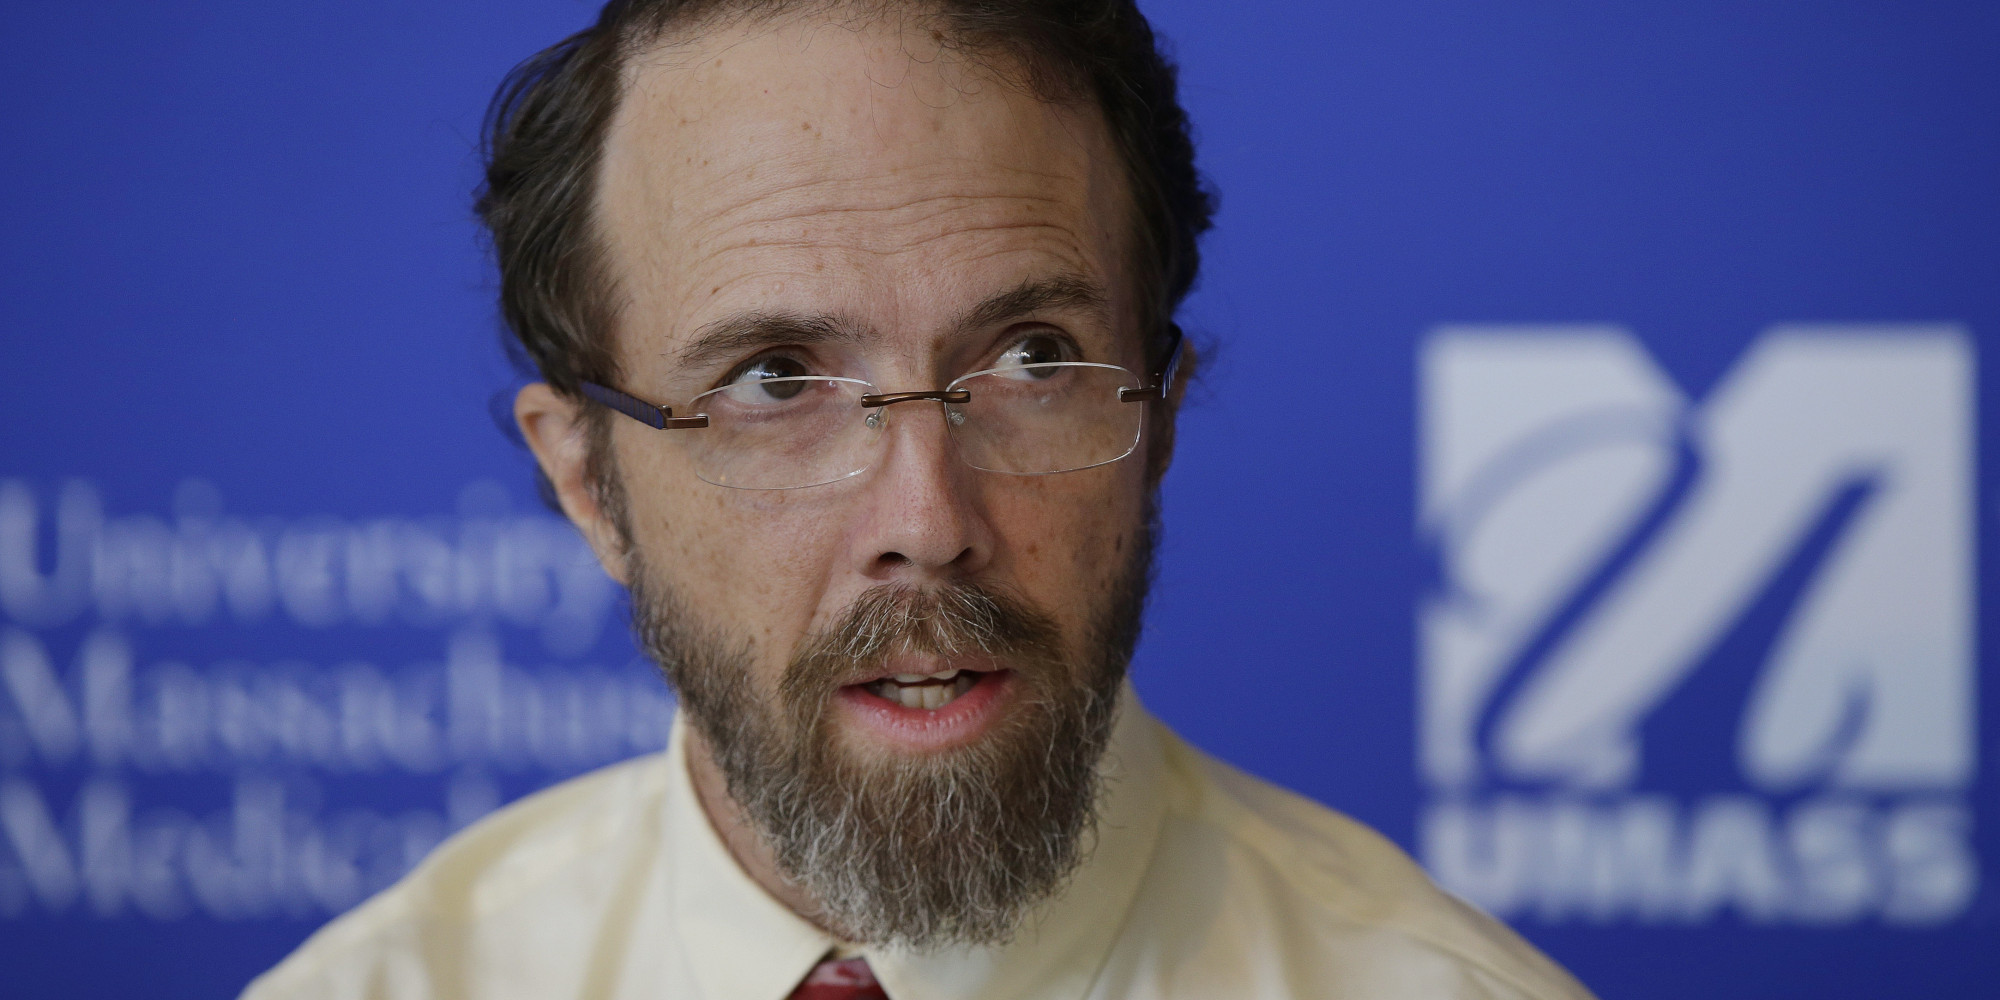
(776, 367)
(1035, 349)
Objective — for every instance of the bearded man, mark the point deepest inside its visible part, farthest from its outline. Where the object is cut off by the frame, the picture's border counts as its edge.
(855, 325)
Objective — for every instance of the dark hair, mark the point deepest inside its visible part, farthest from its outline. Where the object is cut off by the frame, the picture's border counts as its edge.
(545, 132)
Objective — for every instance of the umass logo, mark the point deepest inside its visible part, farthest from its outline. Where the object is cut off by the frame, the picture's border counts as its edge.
(1694, 660)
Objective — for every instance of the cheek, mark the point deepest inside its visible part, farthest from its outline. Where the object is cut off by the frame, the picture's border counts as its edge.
(1064, 543)
(749, 565)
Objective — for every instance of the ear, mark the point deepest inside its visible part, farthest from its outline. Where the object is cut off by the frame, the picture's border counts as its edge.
(1160, 453)
(554, 427)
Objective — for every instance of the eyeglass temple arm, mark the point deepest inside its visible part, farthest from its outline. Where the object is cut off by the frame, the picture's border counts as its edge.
(1164, 381)
(652, 415)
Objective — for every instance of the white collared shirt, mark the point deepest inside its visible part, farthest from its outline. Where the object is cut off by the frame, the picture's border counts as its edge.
(1203, 883)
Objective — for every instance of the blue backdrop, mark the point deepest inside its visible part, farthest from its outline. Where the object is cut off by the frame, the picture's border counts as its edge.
(1591, 487)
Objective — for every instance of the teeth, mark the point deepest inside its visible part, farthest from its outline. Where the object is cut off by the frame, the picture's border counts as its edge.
(922, 690)
(942, 675)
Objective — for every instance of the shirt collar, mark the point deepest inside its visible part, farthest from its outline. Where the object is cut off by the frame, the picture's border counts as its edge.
(740, 943)
(735, 940)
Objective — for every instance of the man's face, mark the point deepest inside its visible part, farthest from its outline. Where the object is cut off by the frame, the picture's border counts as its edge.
(864, 176)
(924, 218)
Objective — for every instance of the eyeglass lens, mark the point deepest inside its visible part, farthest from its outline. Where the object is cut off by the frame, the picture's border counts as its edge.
(794, 432)
(1038, 419)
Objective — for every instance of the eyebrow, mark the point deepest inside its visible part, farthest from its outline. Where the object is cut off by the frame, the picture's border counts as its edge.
(1063, 291)
(747, 333)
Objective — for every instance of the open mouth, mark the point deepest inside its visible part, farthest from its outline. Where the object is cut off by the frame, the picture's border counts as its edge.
(925, 691)
(919, 712)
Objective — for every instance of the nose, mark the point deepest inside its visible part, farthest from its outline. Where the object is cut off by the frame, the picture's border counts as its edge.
(925, 521)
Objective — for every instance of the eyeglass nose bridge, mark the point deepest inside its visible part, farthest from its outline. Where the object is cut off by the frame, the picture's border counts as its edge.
(874, 399)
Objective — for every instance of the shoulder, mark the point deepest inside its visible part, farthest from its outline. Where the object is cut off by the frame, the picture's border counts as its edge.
(1324, 905)
(566, 849)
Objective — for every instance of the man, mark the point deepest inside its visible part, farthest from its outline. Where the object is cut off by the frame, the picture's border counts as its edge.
(855, 321)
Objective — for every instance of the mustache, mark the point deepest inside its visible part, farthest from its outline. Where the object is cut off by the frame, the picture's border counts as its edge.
(956, 619)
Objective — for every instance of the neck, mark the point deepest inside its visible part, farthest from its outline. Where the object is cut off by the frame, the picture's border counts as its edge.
(739, 834)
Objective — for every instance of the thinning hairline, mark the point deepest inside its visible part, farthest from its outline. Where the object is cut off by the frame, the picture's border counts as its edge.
(1047, 80)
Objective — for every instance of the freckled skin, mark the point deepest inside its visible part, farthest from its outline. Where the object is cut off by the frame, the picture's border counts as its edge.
(864, 172)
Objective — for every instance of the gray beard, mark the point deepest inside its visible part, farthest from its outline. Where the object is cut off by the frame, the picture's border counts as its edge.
(953, 847)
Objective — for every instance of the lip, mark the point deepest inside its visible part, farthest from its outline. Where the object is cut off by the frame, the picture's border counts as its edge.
(968, 717)
(926, 665)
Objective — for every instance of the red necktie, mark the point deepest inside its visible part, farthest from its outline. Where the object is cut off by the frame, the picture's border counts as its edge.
(845, 979)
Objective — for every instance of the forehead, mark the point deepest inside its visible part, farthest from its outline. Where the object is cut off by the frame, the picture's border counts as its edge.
(863, 169)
